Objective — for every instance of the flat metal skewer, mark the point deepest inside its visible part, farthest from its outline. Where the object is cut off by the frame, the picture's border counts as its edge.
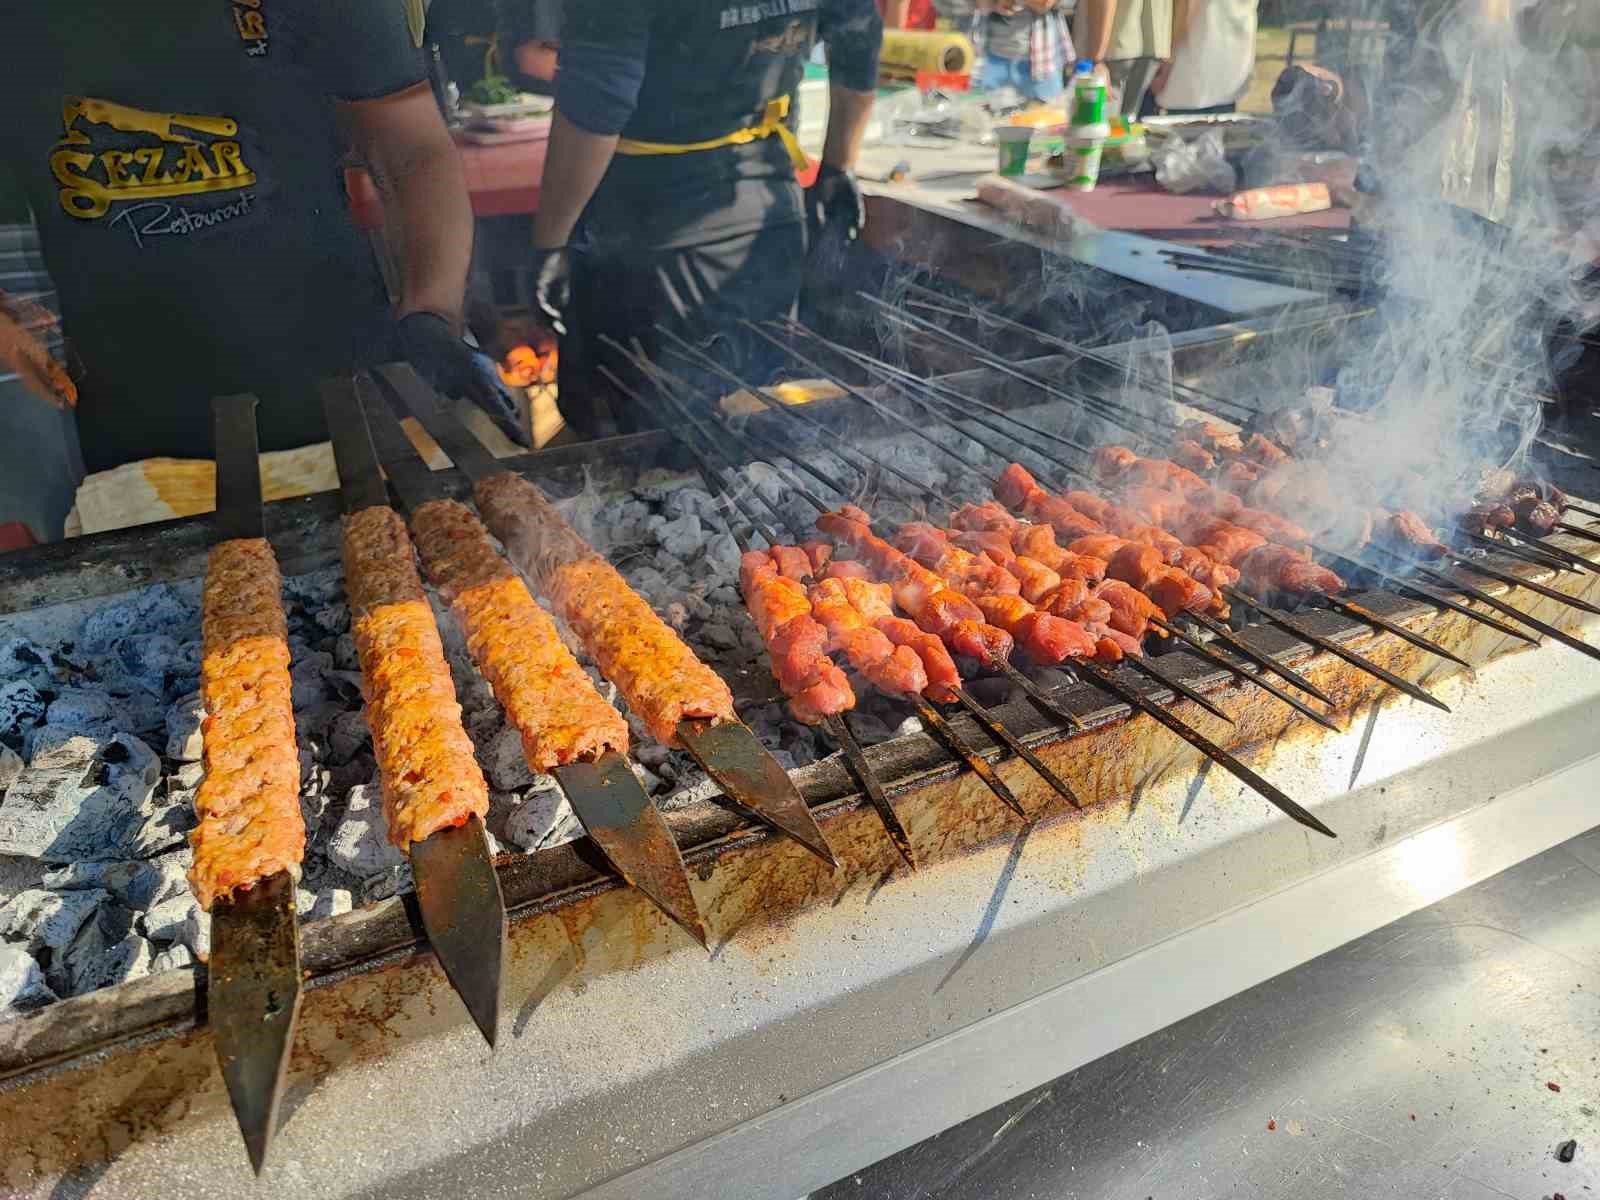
(1526, 552)
(997, 730)
(1534, 623)
(1148, 669)
(935, 721)
(1283, 621)
(458, 893)
(253, 981)
(1431, 594)
(1265, 661)
(1577, 531)
(857, 762)
(1351, 609)
(1248, 676)
(1532, 585)
(1210, 749)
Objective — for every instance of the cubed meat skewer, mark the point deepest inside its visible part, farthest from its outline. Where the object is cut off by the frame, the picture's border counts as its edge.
(796, 643)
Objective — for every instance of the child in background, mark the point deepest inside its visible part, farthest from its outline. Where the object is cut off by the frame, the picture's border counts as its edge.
(1023, 44)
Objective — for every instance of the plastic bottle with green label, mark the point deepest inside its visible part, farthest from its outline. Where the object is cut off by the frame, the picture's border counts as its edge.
(1088, 129)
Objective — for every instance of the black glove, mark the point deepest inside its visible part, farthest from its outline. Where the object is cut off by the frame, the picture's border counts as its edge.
(457, 370)
(835, 201)
(548, 286)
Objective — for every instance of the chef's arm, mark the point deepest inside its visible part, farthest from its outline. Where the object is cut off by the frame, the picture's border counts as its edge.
(603, 53)
(853, 33)
(427, 214)
(1097, 18)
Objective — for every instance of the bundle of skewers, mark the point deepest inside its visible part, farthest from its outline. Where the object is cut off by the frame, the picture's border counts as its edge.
(1090, 575)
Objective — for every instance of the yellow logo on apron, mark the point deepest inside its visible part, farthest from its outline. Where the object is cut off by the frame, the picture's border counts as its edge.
(183, 154)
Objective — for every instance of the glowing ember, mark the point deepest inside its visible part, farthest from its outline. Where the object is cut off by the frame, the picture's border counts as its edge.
(524, 366)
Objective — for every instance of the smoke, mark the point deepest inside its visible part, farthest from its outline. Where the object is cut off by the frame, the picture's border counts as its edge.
(1478, 231)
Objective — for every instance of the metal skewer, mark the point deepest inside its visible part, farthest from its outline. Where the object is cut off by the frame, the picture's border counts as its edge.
(1549, 593)
(1283, 621)
(458, 892)
(1218, 755)
(729, 752)
(606, 796)
(1577, 531)
(1248, 676)
(253, 983)
(1527, 552)
(929, 715)
(857, 762)
(1210, 749)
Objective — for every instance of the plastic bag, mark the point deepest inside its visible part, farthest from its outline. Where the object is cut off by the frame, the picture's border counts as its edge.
(1199, 165)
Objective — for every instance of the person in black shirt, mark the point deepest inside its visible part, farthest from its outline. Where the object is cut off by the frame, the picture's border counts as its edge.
(672, 139)
(183, 163)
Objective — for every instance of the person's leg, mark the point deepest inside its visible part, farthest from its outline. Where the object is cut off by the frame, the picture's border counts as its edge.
(1005, 73)
(1043, 90)
(1132, 79)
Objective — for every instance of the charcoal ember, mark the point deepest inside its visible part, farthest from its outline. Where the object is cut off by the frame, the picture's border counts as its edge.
(158, 609)
(348, 735)
(676, 614)
(345, 657)
(80, 710)
(10, 768)
(990, 690)
(314, 721)
(147, 657)
(869, 729)
(186, 777)
(21, 708)
(503, 762)
(315, 589)
(395, 881)
(651, 754)
(333, 618)
(179, 920)
(41, 920)
(23, 659)
(360, 843)
(137, 885)
(682, 538)
(542, 812)
(175, 957)
(725, 595)
(183, 672)
(306, 677)
(689, 501)
(648, 779)
(94, 961)
(330, 903)
(718, 636)
(313, 808)
(699, 787)
(345, 776)
(722, 554)
(22, 983)
(87, 800)
(345, 683)
(184, 721)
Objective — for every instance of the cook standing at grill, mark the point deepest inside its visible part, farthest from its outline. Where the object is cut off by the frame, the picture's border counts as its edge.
(673, 139)
(183, 163)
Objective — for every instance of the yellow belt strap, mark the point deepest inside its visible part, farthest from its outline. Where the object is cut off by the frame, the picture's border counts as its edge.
(773, 123)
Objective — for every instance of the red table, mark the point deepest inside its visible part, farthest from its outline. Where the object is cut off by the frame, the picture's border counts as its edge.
(1137, 204)
(502, 181)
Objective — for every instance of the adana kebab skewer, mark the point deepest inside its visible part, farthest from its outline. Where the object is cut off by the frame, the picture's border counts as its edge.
(434, 793)
(683, 702)
(567, 728)
(1135, 662)
(1138, 702)
(251, 835)
(945, 691)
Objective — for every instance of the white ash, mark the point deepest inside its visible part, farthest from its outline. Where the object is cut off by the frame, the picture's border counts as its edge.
(22, 983)
(360, 844)
(10, 768)
(183, 729)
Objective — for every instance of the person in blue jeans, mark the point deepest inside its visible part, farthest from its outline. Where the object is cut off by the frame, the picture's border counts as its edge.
(1023, 44)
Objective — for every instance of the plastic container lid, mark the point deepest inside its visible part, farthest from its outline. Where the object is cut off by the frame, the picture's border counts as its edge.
(1085, 67)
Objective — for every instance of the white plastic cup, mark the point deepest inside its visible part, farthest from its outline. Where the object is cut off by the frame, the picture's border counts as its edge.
(1083, 162)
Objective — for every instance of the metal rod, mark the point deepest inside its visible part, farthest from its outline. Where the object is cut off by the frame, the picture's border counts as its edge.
(996, 730)
(857, 763)
(1351, 609)
(1432, 595)
(1549, 593)
(1532, 554)
(1575, 531)
(1283, 621)
(685, 350)
(1042, 698)
(1265, 661)
(1207, 747)
(1534, 623)
(716, 478)
(980, 766)
(1148, 669)
(1260, 680)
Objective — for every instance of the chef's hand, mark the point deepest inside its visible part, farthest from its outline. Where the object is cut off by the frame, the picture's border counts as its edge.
(548, 283)
(457, 370)
(835, 201)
